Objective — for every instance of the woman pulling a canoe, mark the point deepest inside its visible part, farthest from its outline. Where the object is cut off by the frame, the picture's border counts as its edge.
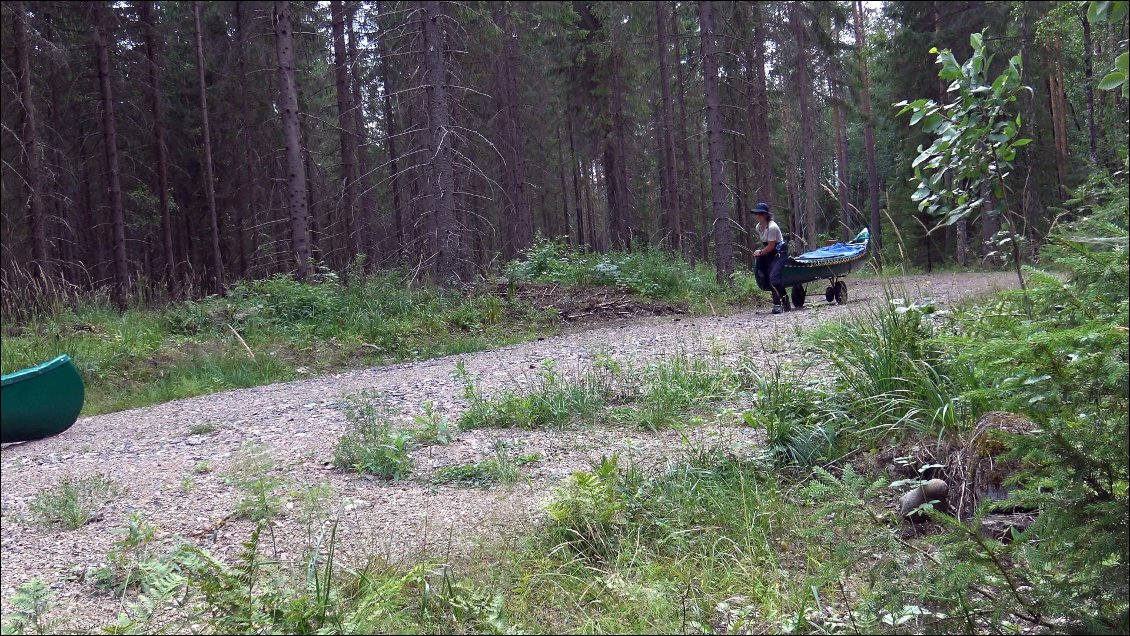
(771, 258)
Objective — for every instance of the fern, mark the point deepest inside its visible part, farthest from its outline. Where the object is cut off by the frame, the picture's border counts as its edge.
(30, 606)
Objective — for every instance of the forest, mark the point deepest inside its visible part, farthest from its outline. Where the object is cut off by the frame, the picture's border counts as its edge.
(441, 317)
(169, 150)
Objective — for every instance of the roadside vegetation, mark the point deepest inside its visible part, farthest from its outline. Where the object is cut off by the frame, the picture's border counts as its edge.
(278, 329)
(800, 537)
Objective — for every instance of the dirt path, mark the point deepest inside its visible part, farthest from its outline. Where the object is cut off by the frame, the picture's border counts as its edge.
(153, 453)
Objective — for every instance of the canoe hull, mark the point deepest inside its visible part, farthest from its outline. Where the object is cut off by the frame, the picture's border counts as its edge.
(41, 401)
(798, 275)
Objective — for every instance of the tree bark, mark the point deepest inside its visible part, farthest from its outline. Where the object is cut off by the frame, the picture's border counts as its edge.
(672, 211)
(759, 111)
(296, 169)
(441, 175)
(841, 154)
(29, 140)
(1059, 115)
(1089, 85)
(519, 221)
(110, 146)
(868, 137)
(399, 205)
(578, 200)
(243, 207)
(372, 243)
(683, 162)
(160, 150)
(723, 246)
(806, 218)
(345, 129)
(209, 178)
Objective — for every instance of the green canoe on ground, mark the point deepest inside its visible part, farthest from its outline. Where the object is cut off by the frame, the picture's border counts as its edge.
(41, 401)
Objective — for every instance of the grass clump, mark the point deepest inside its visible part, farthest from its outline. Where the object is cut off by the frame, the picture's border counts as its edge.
(553, 402)
(651, 396)
(252, 473)
(371, 445)
(500, 469)
(73, 502)
(436, 427)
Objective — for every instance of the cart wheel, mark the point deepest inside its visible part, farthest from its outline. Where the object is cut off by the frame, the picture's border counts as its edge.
(830, 294)
(798, 295)
(840, 292)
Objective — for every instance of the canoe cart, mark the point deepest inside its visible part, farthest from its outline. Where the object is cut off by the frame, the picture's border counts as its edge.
(41, 401)
(832, 262)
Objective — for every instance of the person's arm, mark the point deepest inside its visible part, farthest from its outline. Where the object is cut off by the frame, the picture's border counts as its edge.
(768, 249)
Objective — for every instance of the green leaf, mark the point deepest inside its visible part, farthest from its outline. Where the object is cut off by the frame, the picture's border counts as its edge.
(1021, 142)
(1097, 12)
(1112, 80)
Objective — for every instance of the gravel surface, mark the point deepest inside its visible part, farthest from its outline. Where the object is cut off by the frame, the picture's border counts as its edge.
(154, 455)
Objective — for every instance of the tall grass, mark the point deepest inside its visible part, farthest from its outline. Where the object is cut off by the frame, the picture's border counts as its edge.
(650, 272)
(263, 331)
(650, 396)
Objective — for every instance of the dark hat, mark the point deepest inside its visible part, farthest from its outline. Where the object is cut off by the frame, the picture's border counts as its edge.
(760, 208)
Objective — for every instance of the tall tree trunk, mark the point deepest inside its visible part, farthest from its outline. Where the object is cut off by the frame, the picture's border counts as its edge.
(868, 136)
(29, 141)
(243, 207)
(110, 145)
(441, 175)
(759, 110)
(296, 169)
(1089, 85)
(672, 212)
(723, 247)
(578, 200)
(320, 241)
(209, 179)
(612, 127)
(371, 242)
(683, 161)
(562, 161)
(1059, 115)
(160, 151)
(841, 154)
(807, 217)
(399, 204)
(518, 219)
(348, 208)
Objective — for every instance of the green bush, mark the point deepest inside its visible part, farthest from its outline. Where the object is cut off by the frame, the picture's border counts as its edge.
(73, 501)
(371, 445)
(649, 272)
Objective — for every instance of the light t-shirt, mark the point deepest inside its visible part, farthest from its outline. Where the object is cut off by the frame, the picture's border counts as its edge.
(772, 232)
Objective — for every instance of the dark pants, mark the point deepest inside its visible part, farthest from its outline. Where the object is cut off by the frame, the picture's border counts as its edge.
(769, 267)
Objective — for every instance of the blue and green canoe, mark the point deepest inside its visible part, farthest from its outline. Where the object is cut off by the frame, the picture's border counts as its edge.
(832, 262)
(41, 401)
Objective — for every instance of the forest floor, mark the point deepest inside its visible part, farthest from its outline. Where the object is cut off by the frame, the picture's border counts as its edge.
(173, 461)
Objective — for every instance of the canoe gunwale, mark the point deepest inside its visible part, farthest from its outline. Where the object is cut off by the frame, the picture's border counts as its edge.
(30, 373)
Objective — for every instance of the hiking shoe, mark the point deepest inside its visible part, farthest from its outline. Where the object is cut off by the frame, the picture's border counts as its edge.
(777, 309)
(786, 307)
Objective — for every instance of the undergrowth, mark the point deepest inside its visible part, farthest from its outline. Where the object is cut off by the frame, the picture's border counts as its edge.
(262, 332)
(650, 396)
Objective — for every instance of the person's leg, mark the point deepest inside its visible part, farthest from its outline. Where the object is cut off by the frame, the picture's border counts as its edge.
(775, 274)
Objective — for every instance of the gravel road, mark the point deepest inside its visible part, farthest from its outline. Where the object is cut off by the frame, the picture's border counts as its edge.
(157, 453)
